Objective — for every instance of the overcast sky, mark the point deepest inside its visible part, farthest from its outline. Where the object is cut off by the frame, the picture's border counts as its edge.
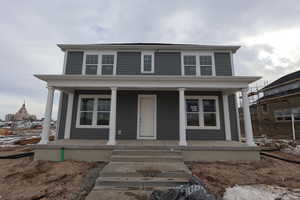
(269, 32)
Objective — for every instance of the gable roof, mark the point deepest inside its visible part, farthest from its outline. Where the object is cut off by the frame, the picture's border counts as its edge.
(285, 79)
(133, 46)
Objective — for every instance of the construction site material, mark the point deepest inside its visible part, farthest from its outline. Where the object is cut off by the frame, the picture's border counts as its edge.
(260, 192)
(284, 158)
(33, 140)
(15, 156)
(5, 132)
(221, 175)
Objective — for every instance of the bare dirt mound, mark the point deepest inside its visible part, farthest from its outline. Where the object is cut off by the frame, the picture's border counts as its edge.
(220, 175)
(27, 179)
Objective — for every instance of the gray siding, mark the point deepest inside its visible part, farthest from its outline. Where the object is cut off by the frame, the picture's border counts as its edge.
(167, 117)
(165, 63)
(204, 134)
(223, 64)
(86, 133)
(63, 114)
(129, 63)
(74, 62)
(233, 118)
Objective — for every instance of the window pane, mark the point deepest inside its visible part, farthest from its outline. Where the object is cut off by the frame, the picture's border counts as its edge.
(209, 105)
(205, 60)
(91, 69)
(87, 104)
(103, 118)
(189, 70)
(107, 69)
(86, 118)
(192, 119)
(192, 105)
(210, 119)
(147, 63)
(189, 60)
(108, 59)
(103, 104)
(91, 59)
(206, 70)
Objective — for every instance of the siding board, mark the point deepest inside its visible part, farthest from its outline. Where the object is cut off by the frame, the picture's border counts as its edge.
(74, 62)
(223, 64)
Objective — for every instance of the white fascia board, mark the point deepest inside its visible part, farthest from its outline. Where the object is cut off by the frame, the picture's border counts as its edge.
(146, 82)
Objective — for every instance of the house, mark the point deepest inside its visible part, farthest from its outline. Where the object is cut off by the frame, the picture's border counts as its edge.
(280, 105)
(148, 93)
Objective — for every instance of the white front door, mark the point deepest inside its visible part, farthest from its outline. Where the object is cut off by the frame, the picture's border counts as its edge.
(147, 117)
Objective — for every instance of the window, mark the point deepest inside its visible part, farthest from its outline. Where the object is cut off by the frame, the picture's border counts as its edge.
(91, 64)
(93, 111)
(202, 112)
(107, 64)
(189, 65)
(285, 115)
(147, 62)
(205, 65)
(102, 63)
(197, 64)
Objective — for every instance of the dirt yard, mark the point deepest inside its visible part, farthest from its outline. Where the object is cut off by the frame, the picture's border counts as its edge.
(220, 175)
(26, 179)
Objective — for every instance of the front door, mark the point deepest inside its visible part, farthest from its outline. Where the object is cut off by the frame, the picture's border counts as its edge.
(146, 117)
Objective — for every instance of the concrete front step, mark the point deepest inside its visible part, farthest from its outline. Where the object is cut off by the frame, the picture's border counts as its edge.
(119, 152)
(146, 169)
(140, 182)
(142, 158)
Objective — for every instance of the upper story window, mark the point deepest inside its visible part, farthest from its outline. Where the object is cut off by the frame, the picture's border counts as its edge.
(102, 63)
(147, 62)
(197, 64)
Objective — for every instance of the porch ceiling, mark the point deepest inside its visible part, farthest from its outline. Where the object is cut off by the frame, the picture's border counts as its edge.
(211, 83)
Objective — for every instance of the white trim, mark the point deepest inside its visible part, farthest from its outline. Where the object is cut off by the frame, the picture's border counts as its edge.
(150, 53)
(155, 117)
(94, 111)
(247, 119)
(112, 117)
(237, 115)
(99, 65)
(201, 112)
(69, 116)
(65, 62)
(197, 54)
(226, 117)
(182, 118)
(58, 114)
(232, 64)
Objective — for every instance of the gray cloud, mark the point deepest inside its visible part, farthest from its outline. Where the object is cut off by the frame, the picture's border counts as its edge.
(30, 30)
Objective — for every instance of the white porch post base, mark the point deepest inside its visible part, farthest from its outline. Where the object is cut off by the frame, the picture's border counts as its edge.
(182, 118)
(47, 119)
(247, 119)
(112, 118)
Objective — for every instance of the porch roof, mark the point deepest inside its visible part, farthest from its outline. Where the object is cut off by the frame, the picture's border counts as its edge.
(232, 83)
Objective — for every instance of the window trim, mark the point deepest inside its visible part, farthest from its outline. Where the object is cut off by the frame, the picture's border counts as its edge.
(99, 65)
(94, 119)
(198, 66)
(143, 53)
(201, 113)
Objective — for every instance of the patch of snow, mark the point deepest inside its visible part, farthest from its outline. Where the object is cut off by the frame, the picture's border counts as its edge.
(259, 192)
(292, 150)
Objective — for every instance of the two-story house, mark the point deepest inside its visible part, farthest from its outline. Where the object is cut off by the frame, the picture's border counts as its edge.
(148, 91)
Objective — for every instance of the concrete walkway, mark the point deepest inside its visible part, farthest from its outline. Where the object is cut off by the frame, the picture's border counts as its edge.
(134, 174)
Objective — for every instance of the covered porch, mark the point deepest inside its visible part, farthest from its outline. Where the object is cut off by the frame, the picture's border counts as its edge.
(225, 85)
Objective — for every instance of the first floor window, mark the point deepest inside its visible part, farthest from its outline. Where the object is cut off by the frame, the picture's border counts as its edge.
(94, 111)
(202, 112)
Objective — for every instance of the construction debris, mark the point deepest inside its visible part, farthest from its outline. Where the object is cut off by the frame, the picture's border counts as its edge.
(5, 132)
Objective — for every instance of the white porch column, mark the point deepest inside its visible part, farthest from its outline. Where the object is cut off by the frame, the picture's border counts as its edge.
(247, 119)
(226, 117)
(47, 119)
(112, 118)
(182, 118)
(69, 115)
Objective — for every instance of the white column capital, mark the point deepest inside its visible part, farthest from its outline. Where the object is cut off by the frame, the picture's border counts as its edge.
(114, 88)
(50, 88)
(181, 89)
(245, 90)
